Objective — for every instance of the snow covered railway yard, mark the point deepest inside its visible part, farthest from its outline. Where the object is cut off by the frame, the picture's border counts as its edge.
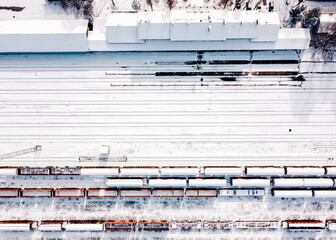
(66, 104)
(167, 109)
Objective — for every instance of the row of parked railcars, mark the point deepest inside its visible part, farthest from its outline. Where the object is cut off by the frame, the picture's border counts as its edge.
(167, 182)
(304, 193)
(206, 182)
(172, 171)
(162, 193)
(284, 182)
(127, 193)
(163, 226)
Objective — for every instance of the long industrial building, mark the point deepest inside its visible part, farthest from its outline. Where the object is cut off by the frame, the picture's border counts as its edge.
(179, 30)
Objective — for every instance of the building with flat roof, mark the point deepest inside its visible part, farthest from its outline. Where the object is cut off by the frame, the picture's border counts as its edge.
(43, 36)
(180, 30)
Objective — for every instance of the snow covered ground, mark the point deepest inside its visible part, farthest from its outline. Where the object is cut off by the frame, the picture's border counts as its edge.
(71, 104)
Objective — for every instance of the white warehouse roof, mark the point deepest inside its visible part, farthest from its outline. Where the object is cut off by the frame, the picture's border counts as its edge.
(153, 25)
(184, 30)
(185, 25)
(43, 36)
(122, 28)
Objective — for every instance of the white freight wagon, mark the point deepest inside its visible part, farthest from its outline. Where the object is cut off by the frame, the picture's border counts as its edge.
(211, 183)
(325, 193)
(100, 172)
(139, 172)
(292, 193)
(84, 226)
(125, 182)
(179, 171)
(222, 171)
(17, 225)
(303, 182)
(331, 225)
(288, 182)
(331, 170)
(8, 172)
(301, 225)
(265, 171)
(173, 183)
(318, 182)
(305, 171)
(50, 226)
(250, 182)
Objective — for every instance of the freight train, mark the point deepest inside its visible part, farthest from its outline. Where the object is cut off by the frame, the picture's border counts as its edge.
(126, 193)
(128, 182)
(164, 225)
(172, 171)
(91, 193)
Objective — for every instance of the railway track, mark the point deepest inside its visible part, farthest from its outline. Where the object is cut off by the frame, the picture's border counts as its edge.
(115, 98)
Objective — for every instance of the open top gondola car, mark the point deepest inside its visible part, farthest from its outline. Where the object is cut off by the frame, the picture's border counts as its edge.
(36, 193)
(168, 193)
(9, 192)
(65, 171)
(135, 193)
(217, 225)
(33, 171)
(101, 193)
(69, 193)
(186, 225)
(257, 224)
(153, 226)
(120, 225)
